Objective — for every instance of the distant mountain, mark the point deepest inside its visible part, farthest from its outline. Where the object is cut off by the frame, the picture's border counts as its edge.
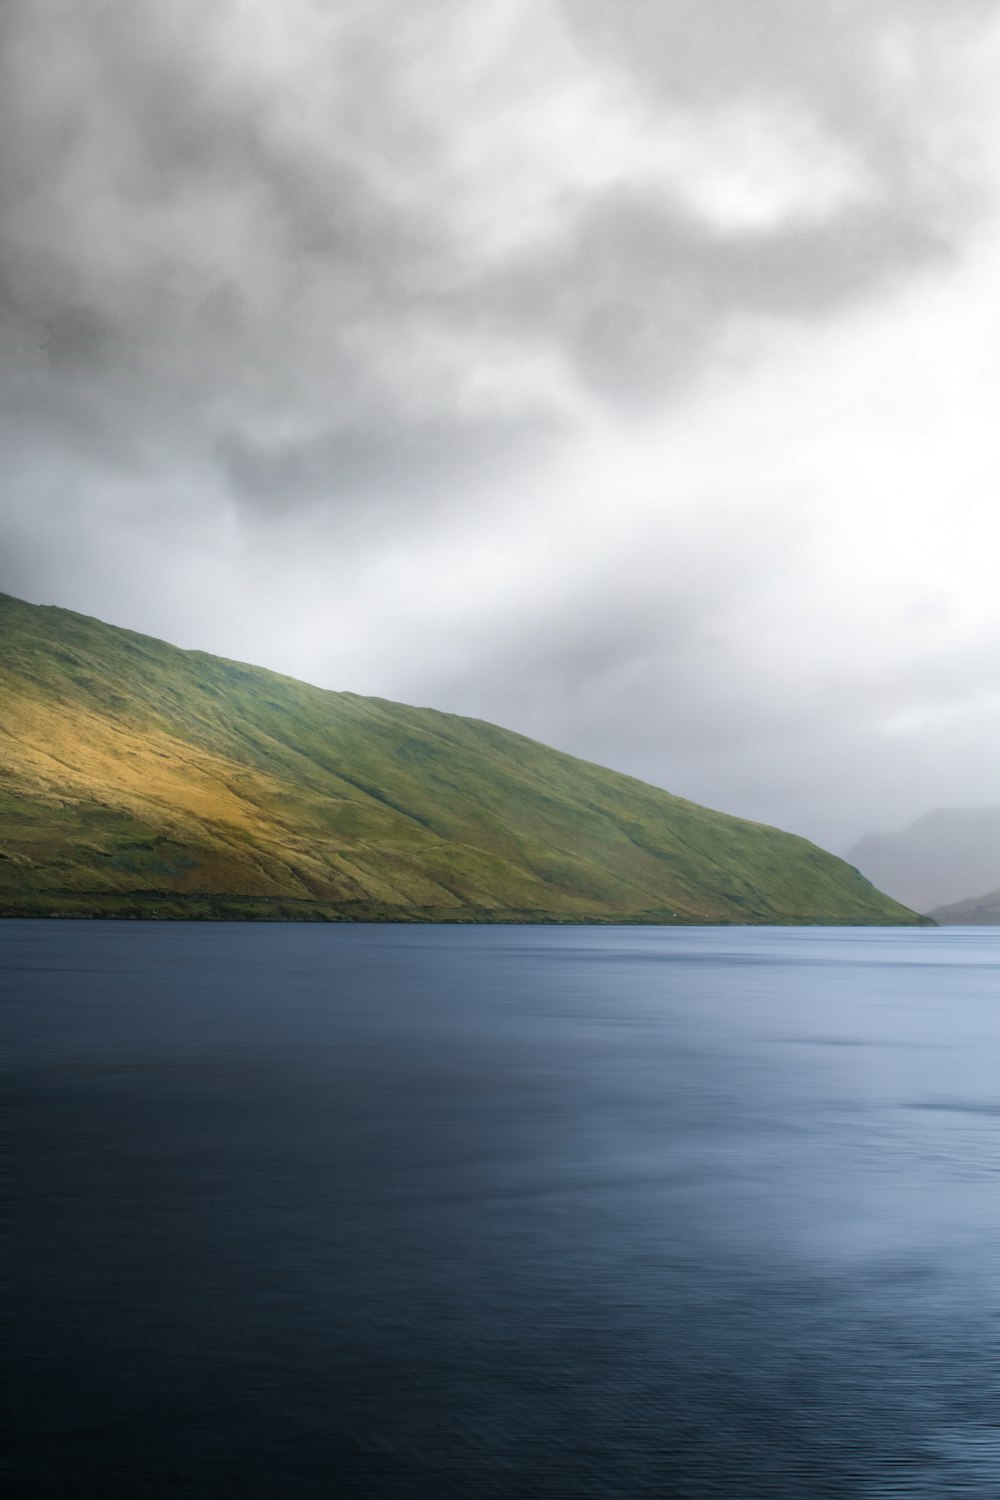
(137, 779)
(937, 860)
(977, 911)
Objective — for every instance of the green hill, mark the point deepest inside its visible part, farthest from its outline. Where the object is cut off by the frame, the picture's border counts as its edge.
(137, 779)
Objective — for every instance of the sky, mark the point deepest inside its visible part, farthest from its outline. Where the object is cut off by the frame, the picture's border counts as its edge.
(624, 372)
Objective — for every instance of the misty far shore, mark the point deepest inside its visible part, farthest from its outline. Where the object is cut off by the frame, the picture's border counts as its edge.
(949, 856)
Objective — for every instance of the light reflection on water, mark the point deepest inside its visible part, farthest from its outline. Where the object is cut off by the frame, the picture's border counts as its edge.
(551, 1212)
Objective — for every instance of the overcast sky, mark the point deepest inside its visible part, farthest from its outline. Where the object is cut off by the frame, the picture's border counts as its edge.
(622, 371)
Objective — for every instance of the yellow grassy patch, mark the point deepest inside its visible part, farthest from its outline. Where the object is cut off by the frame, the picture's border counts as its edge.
(65, 749)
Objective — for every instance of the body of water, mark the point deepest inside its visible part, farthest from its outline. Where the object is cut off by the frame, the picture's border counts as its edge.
(360, 1211)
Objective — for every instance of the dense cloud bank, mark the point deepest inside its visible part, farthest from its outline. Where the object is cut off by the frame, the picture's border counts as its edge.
(622, 373)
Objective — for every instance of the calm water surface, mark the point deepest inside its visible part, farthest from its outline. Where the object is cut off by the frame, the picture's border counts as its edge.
(505, 1212)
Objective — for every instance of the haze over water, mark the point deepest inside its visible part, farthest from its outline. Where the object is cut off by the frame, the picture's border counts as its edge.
(488, 1212)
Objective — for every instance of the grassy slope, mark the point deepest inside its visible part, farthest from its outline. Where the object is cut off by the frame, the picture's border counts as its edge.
(136, 778)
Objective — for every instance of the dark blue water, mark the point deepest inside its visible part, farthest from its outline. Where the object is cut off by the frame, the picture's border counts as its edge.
(505, 1212)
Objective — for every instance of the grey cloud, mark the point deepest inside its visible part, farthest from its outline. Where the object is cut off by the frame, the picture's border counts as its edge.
(241, 285)
(187, 262)
(363, 462)
(750, 49)
(172, 258)
(647, 287)
(643, 294)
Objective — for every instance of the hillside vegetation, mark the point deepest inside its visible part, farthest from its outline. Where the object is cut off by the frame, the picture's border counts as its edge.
(137, 779)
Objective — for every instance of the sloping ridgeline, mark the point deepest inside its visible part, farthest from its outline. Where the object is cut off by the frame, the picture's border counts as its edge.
(137, 779)
(977, 911)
